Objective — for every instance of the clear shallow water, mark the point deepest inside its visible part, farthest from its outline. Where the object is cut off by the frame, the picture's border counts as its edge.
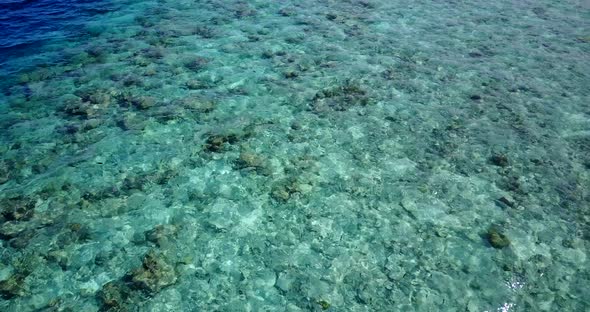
(297, 156)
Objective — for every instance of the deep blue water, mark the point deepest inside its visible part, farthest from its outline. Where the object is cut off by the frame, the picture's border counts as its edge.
(25, 24)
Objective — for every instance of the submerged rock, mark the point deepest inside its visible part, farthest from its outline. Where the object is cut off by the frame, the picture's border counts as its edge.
(196, 104)
(507, 201)
(131, 80)
(287, 11)
(87, 103)
(60, 257)
(17, 209)
(132, 121)
(4, 172)
(96, 51)
(340, 98)
(154, 274)
(244, 10)
(283, 190)
(98, 97)
(325, 305)
(250, 160)
(205, 31)
(161, 234)
(114, 296)
(291, 73)
(496, 238)
(195, 84)
(196, 64)
(12, 287)
(217, 142)
(12, 229)
(22, 239)
(143, 102)
(72, 233)
(500, 160)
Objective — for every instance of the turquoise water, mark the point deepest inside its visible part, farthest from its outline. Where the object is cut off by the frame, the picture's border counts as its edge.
(369, 155)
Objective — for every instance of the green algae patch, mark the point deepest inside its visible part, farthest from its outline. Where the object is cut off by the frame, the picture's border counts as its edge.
(497, 239)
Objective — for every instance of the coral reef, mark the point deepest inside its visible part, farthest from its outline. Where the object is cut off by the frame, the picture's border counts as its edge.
(154, 274)
(340, 98)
